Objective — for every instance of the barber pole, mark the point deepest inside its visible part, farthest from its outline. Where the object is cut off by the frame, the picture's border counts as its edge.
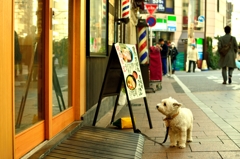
(125, 8)
(142, 45)
(104, 7)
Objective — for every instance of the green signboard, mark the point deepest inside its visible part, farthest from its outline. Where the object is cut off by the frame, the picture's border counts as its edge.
(166, 24)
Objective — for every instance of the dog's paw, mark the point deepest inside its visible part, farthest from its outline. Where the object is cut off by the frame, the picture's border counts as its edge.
(181, 146)
(173, 145)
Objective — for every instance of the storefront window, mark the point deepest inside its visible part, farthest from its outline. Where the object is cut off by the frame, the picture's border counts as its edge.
(61, 57)
(97, 27)
(29, 56)
(156, 35)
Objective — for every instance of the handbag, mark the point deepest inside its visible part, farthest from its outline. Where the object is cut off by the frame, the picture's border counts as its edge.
(224, 50)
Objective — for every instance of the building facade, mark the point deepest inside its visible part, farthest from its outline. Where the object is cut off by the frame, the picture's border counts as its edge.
(215, 19)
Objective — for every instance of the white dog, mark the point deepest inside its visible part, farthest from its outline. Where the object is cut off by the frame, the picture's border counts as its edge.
(179, 120)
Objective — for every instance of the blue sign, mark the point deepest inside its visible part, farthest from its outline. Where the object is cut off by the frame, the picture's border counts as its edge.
(161, 4)
(172, 28)
(201, 18)
(151, 21)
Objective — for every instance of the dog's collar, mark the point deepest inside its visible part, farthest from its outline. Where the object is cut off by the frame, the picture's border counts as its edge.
(171, 118)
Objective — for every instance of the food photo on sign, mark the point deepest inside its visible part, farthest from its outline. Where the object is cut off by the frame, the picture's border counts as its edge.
(128, 58)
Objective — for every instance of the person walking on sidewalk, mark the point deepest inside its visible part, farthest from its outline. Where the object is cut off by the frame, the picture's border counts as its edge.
(173, 52)
(164, 55)
(192, 56)
(227, 61)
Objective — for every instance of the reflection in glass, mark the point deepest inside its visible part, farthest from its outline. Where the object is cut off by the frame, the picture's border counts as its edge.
(28, 53)
(61, 58)
(98, 26)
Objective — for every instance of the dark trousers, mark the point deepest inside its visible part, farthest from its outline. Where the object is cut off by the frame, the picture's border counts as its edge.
(164, 66)
(224, 73)
(189, 65)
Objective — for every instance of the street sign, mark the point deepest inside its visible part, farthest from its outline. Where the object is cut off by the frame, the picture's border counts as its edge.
(151, 8)
(151, 21)
(201, 18)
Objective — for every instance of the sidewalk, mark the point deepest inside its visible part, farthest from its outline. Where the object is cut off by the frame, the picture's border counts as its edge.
(216, 130)
(209, 140)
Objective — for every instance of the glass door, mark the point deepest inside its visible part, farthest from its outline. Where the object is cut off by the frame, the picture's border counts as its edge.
(43, 71)
(61, 57)
(62, 25)
(29, 71)
(29, 63)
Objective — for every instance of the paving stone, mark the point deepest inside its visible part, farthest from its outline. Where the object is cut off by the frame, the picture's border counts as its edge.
(207, 139)
(228, 145)
(230, 155)
(165, 148)
(194, 155)
(154, 155)
(223, 137)
(234, 137)
(214, 133)
(237, 141)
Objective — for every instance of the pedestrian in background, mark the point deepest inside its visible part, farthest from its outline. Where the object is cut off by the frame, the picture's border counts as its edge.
(238, 56)
(155, 63)
(164, 55)
(17, 55)
(173, 52)
(228, 61)
(192, 56)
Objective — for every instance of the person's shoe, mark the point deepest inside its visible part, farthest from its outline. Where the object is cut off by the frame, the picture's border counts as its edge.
(230, 79)
(224, 83)
(173, 71)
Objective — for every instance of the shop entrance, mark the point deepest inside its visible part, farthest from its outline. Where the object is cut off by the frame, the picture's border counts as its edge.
(43, 71)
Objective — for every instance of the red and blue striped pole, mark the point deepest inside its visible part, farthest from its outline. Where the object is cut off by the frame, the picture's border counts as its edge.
(125, 8)
(104, 7)
(142, 45)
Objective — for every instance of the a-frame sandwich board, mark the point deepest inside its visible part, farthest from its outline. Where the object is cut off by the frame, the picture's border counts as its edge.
(112, 84)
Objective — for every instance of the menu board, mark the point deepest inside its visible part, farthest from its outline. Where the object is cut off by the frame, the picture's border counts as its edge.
(133, 80)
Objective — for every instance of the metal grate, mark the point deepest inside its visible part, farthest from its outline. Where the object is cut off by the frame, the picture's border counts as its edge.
(95, 142)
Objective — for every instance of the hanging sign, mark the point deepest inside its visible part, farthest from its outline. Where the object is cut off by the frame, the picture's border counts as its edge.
(161, 5)
(133, 80)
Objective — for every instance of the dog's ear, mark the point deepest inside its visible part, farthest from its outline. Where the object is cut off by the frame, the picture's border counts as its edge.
(177, 104)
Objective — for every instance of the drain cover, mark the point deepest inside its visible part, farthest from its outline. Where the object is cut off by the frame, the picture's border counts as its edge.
(96, 142)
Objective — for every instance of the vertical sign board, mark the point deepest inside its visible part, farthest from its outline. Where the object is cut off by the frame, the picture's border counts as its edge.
(171, 23)
(133, 80)
(200, 48)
